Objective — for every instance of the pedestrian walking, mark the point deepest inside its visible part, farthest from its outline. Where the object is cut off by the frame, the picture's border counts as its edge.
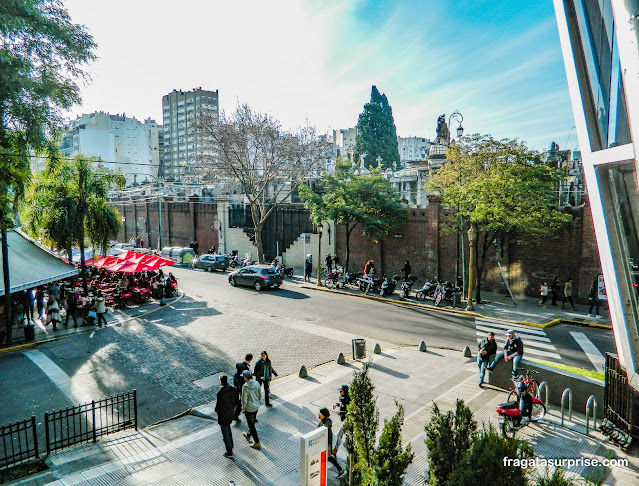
(53, 313)
(367, 267)
(487, 349)
(593, 297)
(513, 351)
(29, 303)
(325, 421)
(568, 295)
(307, 270)
(543, 292)
(238, 381)
(335, 261)
(40, 302)
(406, 270)
(71, 305)
(251, 396)
(344, 400)
(227, 400)
(263, 374)
(328, 261)
(555, 289)
(100, 309)
(371, 268)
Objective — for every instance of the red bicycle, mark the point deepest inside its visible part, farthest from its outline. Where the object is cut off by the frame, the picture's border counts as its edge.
(531, 384)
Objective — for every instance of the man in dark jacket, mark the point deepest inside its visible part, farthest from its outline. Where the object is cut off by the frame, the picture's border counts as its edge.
(325, 421)
(486, 351)
(263, 373)
(227, 400)
(513, 351)
(406, 269)
(555, 289)
(238, 381)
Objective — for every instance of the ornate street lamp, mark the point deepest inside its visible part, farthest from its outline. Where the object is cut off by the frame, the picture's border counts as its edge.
(472, 241)
(459, 118)
(320, 227)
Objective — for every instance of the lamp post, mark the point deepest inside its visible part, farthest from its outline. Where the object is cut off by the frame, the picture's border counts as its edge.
(459, 118)
(320, 227)
(472, 241)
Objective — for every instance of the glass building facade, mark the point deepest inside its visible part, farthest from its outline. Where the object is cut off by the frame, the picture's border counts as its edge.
(600, 45)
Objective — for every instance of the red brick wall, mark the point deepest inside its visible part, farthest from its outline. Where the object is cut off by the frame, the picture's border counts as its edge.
(432, 252)
(181, 222)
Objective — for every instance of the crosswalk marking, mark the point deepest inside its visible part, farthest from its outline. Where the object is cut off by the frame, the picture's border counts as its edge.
(488, 328)
(506, 326)
(536, 342)
(593, 354)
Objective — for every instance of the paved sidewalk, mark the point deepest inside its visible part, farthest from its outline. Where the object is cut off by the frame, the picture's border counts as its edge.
(522, 310)
(188, 450)
(114, 317)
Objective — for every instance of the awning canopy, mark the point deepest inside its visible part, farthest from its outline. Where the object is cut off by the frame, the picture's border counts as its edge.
(30, 265)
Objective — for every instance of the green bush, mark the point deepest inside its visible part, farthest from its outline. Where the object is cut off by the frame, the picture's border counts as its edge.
(485, 464)
(557, 478)
(448, 436)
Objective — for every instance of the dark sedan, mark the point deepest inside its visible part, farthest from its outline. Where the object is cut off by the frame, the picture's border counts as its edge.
(211, 262)
(257, 276)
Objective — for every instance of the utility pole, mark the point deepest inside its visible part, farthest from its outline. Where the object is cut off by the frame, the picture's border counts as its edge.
(7, 284)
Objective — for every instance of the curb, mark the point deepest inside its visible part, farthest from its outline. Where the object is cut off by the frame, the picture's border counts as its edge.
(554, 322)
(20, 347)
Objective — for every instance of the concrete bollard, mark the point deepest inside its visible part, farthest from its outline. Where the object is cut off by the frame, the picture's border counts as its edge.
(377, 349)
(303, 372)
(467, 353)
(422, 347)
(340, 359)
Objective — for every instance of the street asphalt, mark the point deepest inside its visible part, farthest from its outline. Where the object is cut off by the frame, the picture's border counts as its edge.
(171, 355)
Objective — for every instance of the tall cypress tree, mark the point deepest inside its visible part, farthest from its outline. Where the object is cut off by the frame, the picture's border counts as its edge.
(376, 132)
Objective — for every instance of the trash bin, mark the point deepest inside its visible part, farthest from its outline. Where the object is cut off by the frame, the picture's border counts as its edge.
(29, 333)
(456, 299)
(359, 348)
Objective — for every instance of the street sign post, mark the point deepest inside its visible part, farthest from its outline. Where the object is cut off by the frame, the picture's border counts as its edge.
(313, 456)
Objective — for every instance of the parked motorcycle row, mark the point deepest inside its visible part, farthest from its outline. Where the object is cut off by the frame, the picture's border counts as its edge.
(436, 290)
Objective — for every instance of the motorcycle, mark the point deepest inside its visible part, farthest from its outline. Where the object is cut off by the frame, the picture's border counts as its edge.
(388, 286)
(233, 262)
(283, 271)
(247, 261)
(332, 278)
(368, 284)
(427, 291)
(510, 417)
(352, 278)
(445, 292)
(407, 284)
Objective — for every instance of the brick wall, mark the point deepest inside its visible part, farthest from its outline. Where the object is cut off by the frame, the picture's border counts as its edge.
(433, 252)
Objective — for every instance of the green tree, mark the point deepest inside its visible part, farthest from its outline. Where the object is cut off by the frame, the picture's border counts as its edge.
(77, 189)
(448, 436)
(367, 200)
(362, 420)
(41, 54)
(485, 462)
(376, 132)
(383, 462)
(502, 188)
(391, 459)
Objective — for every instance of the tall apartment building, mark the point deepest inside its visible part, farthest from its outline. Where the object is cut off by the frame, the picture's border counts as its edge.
(179, 111)
(412, 148)
(123, 143)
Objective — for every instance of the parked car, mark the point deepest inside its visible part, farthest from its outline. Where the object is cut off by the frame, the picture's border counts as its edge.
(211, 262)
(256, 276)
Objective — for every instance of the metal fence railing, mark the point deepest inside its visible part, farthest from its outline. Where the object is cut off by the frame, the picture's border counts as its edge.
(18, 442)
(90, 421)
(621, 404)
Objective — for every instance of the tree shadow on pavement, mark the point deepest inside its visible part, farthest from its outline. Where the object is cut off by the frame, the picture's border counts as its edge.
(288, 294)
(389, 371)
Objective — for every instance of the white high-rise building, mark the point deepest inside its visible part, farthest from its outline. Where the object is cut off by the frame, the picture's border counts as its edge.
(412, 149)
(122, 143)
(179, 111)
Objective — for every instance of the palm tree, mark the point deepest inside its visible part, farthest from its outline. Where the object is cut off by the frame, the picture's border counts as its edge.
(68, 203)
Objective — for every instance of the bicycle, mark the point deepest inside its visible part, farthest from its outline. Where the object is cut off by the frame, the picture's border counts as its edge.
(529, 381)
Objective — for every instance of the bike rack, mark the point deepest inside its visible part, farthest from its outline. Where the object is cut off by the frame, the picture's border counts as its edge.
(543, 386)
(592, 405)
(568, 392)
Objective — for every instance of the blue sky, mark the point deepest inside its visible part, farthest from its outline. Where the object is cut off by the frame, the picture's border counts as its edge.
(498, 62)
